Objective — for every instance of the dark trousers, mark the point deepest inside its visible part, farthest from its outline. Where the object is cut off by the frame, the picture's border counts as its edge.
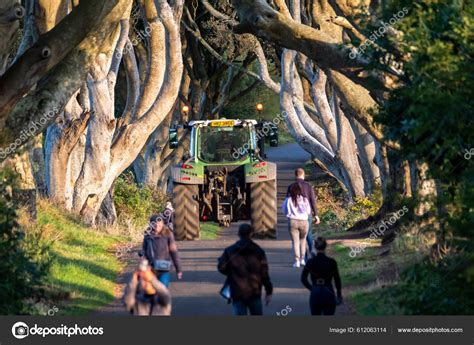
(322, 300)
(254, 306)
(145, 304)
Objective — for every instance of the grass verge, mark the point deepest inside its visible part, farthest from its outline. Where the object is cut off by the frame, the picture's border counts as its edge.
(84, 271)
(358, 270)
(209, 230)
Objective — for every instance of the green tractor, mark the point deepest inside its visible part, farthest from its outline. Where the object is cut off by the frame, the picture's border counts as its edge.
(225, 177)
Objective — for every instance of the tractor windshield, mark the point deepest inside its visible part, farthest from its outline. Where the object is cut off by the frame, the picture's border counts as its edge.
(224, 144)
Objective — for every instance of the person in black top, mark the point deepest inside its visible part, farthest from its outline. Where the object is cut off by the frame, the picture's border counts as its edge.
(246, 267)
(323, 270)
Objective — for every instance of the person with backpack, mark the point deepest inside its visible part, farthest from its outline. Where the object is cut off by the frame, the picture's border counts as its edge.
(323, 271)
(246, 268)
(159, 248)
(145, 294)
(297, 209)
(308, 192)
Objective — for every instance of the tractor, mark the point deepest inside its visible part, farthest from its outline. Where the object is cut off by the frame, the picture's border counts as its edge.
(225, 177)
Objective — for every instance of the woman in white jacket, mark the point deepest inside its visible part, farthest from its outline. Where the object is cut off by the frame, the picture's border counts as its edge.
(297, 209)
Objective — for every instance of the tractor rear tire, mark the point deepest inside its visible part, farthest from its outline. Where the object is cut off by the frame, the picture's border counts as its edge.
(263, 209)
(186, 219)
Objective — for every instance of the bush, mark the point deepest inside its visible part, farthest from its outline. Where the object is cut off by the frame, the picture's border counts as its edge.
(439, 288)
(337, 213)
(24, 257)
(136, 204)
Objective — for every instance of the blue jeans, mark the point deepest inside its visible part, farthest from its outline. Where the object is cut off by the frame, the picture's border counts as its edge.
(164, 277)
(310, 240)
(254, 306)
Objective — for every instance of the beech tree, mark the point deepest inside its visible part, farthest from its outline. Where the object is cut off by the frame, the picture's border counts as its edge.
(315, 117)
(87, 147)
(328, 93)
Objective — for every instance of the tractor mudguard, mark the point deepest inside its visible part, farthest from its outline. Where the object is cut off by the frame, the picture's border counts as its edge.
(184, 176)
(260, 172)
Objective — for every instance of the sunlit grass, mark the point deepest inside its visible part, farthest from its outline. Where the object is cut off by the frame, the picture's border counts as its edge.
(84, 268)
(209, 230)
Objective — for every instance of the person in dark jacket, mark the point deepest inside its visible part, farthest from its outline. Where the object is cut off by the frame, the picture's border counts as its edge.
(323, 271)
(246, 267)
(307, 192)
(159, 247)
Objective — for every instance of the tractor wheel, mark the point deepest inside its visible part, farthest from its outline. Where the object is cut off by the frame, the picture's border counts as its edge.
(263, 208)
(186, 218)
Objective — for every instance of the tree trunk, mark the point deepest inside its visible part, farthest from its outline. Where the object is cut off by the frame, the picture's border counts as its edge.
(89, 186)
(102, 167)
(11, 12)
(366, 149)
(61, 139)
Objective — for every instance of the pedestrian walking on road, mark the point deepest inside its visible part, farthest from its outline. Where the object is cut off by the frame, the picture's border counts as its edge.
(145, 294)
(308, 192)
(159, 248)
(297, 209)
(323, 271)
(168, 216)
(246, 267)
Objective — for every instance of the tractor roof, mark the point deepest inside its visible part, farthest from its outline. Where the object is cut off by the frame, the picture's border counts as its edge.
(223, 122)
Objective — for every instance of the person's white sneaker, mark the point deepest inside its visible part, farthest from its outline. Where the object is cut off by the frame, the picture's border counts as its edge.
(303, 262)
(296, 264)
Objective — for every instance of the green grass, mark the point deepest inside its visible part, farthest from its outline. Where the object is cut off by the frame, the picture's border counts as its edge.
(209, 230)
(378, 299)
(85, 268)
(359, 270)
(339, 234)
(374, 303)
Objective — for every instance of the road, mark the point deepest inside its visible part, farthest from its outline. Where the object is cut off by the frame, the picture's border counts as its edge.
(198, 293)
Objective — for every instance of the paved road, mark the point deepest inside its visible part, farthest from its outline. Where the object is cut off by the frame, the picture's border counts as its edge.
(198, 293)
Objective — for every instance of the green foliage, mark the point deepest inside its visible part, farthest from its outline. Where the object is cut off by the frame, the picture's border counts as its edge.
(245, 107)
(366, 206)
(337, 213)
(432, 289)
(431, 117)
(136, 204)
(24, 258)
